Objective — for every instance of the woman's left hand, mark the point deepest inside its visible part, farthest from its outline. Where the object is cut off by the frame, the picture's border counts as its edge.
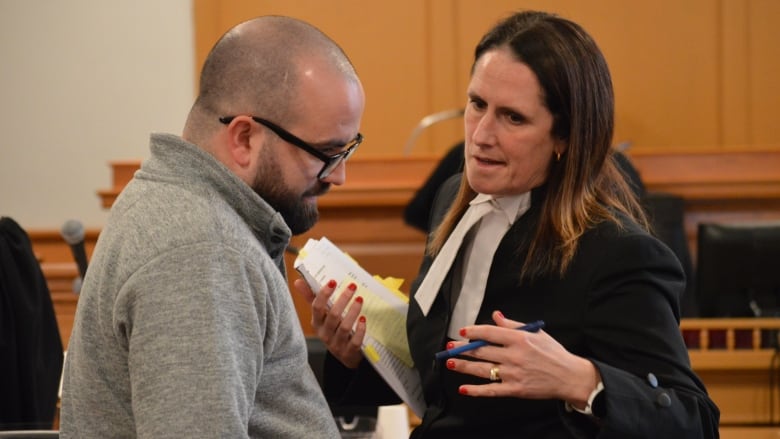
(525, 364)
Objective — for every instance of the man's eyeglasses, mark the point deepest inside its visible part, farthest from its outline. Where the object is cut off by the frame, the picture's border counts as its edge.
(330, 162)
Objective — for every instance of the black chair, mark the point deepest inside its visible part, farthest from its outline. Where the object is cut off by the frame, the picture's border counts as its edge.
(666, 215)
(738, 270)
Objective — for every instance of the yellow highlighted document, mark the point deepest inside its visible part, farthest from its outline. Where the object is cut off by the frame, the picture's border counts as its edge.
(384, 306)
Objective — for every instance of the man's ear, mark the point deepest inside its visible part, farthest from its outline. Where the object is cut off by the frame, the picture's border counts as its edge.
(241, 151)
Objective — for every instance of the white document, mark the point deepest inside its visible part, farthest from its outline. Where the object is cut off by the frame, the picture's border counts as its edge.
(385, 345)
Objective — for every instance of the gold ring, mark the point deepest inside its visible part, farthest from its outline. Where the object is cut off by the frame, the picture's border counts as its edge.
(494, 374)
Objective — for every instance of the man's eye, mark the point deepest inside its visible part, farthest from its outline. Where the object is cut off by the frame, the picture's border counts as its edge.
(477, 103)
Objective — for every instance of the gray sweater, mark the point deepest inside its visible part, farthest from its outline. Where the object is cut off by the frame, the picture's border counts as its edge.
(185, 326)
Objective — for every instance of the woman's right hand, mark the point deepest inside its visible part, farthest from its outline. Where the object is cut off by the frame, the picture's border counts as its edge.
(332, 325)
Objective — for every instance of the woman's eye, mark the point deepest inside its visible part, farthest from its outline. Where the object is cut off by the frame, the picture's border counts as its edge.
(515, 118)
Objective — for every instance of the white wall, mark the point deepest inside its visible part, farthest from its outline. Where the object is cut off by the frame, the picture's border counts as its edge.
(82, 83)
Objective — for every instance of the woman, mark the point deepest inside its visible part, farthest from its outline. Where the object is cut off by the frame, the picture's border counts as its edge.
(568, 245)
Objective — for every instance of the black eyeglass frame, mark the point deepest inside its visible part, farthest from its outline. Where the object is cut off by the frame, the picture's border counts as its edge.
(330, 162)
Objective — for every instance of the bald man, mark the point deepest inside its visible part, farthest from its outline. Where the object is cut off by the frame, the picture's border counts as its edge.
(185, 326)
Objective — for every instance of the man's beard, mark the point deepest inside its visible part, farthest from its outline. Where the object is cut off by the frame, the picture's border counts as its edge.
(299, 216)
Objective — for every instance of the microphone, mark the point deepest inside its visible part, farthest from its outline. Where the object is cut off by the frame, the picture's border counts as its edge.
(73, 233)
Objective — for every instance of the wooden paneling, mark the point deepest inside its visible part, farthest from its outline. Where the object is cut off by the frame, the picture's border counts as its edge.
(698, 74)
(392, 45)
(758, 432)
(764, 69)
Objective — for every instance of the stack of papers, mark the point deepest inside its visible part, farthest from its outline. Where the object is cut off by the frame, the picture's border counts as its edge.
(385, 344)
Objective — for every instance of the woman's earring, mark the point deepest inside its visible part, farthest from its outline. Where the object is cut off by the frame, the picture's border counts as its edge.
(557, 156)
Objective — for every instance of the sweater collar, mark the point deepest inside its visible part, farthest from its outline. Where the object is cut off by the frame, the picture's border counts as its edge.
(181, 157)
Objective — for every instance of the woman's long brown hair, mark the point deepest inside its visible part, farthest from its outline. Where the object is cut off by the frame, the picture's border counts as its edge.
(585, 186)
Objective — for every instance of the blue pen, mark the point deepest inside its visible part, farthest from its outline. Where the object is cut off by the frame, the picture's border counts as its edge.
(531, 327)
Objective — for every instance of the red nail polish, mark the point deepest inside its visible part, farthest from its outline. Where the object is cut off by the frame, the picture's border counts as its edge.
(450, 364)
(362, 319)
(450, 345)
(352, 286)
(463, 391)
(463, 332)
(359, 299)
(332, 283)
(500, 315)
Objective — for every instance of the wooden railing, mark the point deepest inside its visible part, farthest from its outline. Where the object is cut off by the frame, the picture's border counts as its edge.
(710, 337)
(739, 362)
